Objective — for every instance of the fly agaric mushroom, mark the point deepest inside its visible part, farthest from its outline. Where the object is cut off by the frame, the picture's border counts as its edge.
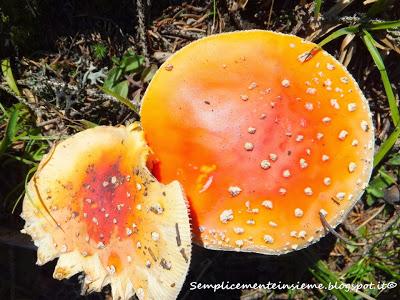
(95, 205)
(266, 134)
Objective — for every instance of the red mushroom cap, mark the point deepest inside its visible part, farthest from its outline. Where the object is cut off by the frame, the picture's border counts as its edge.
(265, 133)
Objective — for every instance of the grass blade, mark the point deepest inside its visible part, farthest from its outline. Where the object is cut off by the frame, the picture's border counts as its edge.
(8, 75)
(317, 8)
(387, 145)
(325, 276)
(338, 33)
(11, 131)
(376, 25)
(370, 43)
(121, 99)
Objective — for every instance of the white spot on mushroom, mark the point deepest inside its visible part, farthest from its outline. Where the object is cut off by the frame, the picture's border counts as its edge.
(129, 259)
(138, 186)
(128, 231)
(334, 104)
(328, 82)
(252, 86)
(341, 195)
(265, 164)
(326, 120)
(148, 264)
(282, 191)
(95, 221)
(293, 233)
(267, 204)
(325, 157)
(343, 134)
(100, 245)
(298, 213)
(327, 181)
(330, 67)
(303, 163)
(309, 106)
(285, 83)
(250, 222)
(354, 143)
(115, 221)
(113, 180)
(88, 200)
(308, 151)
(364, 126)
(239, 243)
(272, 224)
(238, 230)
(352, 167)
(105, 183)
(291, 45)
(155, 236)
(244, 97)
(294, 246)
(323, 212)
(320, 136)
(344, 80)
(251, 130)
(286, 173)
(248, 146)
(234, 190)
(302, 234)
(311, 91)
(299, 138)
(64, 248)
(226, 215)
(338, 90)
(268, 239)
(273, 156)
(308, 191)
(169, 67)
(351, 107)
(139, 245)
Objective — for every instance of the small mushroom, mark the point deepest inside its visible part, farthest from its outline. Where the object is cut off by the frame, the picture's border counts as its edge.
(299, 155)
(81, 206)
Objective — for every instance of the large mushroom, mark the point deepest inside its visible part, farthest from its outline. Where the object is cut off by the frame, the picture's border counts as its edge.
(269, 135)
(95, 205)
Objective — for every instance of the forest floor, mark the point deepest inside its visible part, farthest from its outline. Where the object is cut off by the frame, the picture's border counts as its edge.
(67, 74)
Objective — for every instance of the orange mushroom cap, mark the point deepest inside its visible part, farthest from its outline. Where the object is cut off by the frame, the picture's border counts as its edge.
(95, 205)
(265, 133)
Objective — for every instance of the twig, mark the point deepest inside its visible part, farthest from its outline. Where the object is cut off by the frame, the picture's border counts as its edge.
(371, 217)
(142, 30)
(335, 233)
(385, 229)
(270, 13)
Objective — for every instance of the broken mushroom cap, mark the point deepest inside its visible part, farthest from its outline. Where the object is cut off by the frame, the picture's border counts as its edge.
(95, 205)
(267, 133)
